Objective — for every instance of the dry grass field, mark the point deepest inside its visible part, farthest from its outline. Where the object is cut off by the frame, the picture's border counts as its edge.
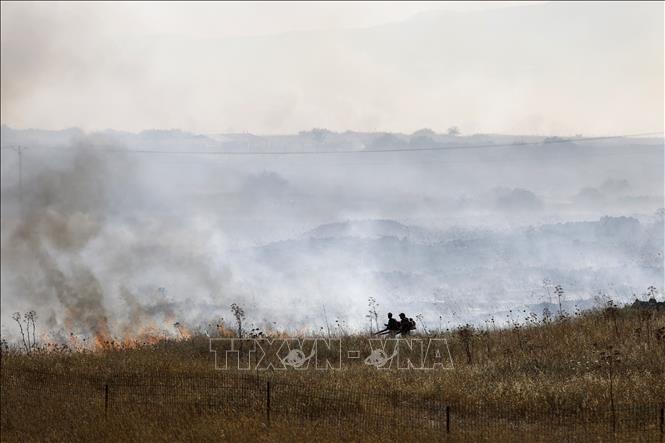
(593, 376)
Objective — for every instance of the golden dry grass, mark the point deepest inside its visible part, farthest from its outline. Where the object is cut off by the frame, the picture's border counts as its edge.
(526, 372)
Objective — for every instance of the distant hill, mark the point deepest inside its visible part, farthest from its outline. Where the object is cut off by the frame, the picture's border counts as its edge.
(469, 272)
(371, 229)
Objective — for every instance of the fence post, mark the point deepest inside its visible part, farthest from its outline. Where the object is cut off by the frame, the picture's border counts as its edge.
(268, 402)
(106, 400)
(447, 419)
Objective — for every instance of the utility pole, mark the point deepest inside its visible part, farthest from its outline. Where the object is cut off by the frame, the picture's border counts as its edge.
(19, 150)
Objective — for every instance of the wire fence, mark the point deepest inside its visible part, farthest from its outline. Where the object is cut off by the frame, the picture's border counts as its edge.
(92, 397)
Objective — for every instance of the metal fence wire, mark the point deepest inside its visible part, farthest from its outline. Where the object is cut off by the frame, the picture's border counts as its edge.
(93, 397)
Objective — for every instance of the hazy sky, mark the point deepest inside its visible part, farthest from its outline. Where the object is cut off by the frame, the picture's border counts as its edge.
(284, 67)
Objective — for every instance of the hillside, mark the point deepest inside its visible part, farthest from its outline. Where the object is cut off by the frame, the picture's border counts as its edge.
(535, 378)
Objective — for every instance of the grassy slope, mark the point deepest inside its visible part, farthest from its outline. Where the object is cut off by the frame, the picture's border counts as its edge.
(559, 365)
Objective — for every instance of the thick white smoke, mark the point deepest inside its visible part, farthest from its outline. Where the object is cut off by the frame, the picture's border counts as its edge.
(106, 242)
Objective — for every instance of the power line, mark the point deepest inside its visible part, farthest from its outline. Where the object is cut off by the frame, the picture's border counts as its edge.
(19, 151)
(552, 141)
(438, 161)
(385, 150)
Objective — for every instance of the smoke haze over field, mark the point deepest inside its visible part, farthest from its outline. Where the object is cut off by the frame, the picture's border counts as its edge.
(126, 231)
(109, 235)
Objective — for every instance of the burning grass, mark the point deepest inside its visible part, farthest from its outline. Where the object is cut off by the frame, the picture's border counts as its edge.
(593, 361)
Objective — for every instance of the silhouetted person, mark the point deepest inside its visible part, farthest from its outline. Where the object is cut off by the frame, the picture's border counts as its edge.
(391, 327)
(406, 325)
